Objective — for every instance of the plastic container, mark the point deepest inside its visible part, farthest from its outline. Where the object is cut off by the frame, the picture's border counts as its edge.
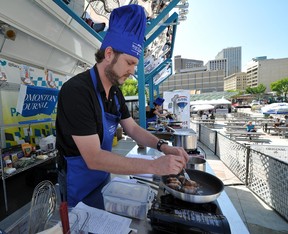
(78, 220)
(127, 199)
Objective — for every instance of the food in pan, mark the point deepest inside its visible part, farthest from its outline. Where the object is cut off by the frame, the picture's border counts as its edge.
(181, 184)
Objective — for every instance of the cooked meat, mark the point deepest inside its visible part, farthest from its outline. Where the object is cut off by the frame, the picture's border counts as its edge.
(175, 186)
(181, 184)
(190, 183)
(173, 180)
(181, 178)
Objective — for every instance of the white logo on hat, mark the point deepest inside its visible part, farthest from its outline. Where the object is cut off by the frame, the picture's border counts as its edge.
(136, 48)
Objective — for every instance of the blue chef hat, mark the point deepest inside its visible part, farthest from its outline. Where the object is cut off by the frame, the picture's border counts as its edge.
(159, 101)
(126, 30)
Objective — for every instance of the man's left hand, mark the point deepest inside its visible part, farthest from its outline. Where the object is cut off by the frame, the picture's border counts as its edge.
(175, 150)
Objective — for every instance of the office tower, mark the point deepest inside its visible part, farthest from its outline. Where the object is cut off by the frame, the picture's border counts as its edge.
(181, 64)
(265, 71)
(233, 57)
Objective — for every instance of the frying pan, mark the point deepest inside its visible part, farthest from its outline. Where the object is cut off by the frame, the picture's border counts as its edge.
(210, 187)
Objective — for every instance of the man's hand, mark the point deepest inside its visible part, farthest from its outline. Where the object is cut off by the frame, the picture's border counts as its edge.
(174, 150)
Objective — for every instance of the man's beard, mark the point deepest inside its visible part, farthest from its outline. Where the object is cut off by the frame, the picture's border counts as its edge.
(111, 75)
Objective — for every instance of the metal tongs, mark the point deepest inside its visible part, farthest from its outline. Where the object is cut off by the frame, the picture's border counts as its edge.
(187, 177)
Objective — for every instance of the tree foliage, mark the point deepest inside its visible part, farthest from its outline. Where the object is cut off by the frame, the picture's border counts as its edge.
(260, 89)
(280, 87)
(130, 87)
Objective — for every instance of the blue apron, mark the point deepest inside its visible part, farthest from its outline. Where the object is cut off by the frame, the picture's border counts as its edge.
(151, 119)
(81, 181)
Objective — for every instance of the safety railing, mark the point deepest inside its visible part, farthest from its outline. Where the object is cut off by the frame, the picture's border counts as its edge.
(264, 175)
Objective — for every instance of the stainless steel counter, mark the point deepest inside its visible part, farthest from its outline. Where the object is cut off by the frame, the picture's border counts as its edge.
(228, 210)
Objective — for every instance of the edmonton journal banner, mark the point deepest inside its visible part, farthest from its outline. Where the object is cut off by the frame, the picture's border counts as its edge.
(34, 100)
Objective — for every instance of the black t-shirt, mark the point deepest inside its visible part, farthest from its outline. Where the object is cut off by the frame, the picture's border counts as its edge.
(79, 112)
(150, 114)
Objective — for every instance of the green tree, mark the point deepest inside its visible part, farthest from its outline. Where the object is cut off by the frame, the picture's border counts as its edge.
(280, 87)
(130, 87)
(258, 90)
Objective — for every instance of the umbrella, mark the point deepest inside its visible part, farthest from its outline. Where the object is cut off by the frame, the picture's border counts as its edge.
(201, 107)
(280, 109)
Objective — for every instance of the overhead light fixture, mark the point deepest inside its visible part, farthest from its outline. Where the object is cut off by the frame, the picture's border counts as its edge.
(183, 11)
(183, 6)
(182, 18)
(8, 32)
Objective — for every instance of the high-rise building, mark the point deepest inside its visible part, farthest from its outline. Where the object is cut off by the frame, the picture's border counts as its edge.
(217, 64)
(200, 81)
(181, 64)
(236, 81)
(233, 55)
(191, 74)
(265, 71)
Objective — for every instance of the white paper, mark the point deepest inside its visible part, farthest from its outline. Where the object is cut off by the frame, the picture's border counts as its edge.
(103, 222)
(142, 156)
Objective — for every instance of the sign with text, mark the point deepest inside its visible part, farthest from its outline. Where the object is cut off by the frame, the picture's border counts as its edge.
(177, 103)
(33, 100)
(277, 151)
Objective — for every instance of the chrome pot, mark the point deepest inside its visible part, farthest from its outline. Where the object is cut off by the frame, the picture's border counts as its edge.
(196, 163)
(186, 139)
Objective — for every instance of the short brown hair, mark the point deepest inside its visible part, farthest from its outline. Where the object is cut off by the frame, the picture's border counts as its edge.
(100, 54)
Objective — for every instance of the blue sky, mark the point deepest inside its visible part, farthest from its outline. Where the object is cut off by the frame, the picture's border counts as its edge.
(260, 27)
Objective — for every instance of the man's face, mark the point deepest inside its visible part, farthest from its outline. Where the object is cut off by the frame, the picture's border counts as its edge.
(121, 67)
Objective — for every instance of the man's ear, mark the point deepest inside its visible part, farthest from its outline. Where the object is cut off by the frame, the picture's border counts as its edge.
(109, 54)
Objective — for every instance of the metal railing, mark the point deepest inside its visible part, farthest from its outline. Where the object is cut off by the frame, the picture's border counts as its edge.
(264, 175)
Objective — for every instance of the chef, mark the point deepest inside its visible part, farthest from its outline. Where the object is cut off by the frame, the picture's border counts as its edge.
(90, 107)
(154, 113)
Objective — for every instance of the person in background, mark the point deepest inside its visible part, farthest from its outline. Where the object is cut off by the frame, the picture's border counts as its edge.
(250, 127)
(286, 120)
(90, 107)
(204, 116)
(277, 122)
(212, 116)
(155, 112)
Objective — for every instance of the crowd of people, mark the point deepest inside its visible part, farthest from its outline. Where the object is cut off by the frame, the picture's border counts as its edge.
(205, 115)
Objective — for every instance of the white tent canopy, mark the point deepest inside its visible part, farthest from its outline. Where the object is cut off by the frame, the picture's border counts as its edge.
(202, 107)
(221, 101)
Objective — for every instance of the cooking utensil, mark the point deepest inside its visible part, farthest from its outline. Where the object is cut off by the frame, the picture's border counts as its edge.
(210, 187)
(185, 138)
(187, 177)
(43, 205)
(64, 217)
(196, 163)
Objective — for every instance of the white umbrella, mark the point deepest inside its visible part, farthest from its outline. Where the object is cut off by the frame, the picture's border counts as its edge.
(275, 108)
(201, 107)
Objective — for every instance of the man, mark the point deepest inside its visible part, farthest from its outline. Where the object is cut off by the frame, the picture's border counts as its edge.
(154, 113)
(90, 106)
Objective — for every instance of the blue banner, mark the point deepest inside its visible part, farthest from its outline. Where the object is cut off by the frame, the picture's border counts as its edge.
(33, 100)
